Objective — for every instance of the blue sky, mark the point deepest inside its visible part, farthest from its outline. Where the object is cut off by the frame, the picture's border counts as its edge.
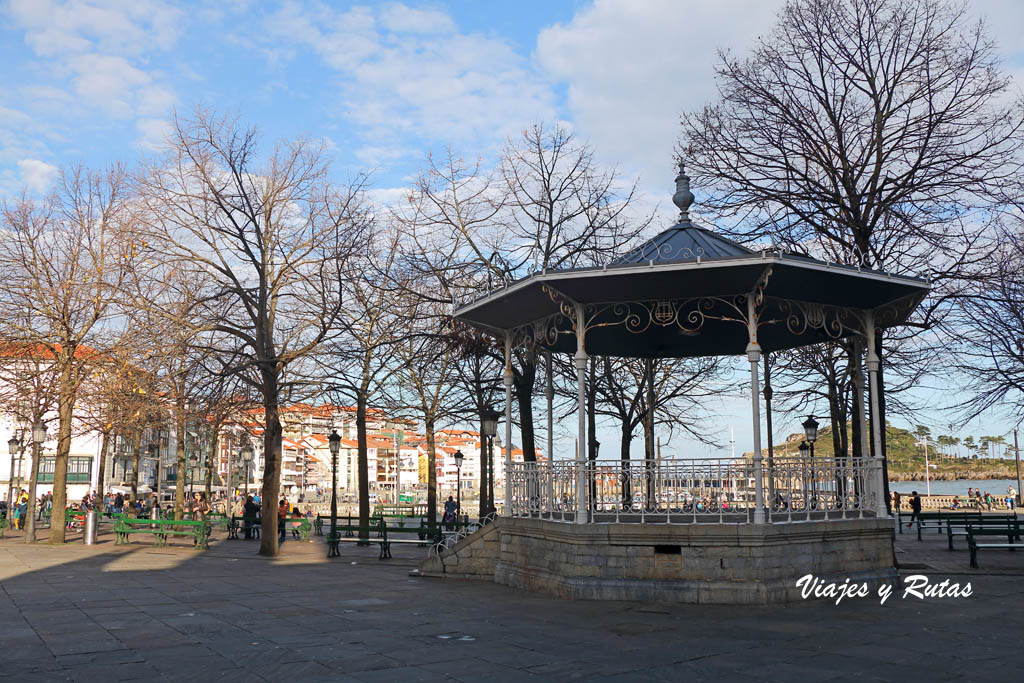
(96, 81)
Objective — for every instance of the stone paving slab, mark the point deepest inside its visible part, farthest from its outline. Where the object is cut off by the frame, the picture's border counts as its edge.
(108, 612)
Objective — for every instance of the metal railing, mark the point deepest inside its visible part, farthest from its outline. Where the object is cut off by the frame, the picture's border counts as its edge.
(690, 491)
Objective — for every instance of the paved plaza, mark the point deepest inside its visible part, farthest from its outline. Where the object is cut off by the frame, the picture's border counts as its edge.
(115, 613)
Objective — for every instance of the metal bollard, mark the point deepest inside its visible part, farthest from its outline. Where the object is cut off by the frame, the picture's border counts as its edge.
(91, 522)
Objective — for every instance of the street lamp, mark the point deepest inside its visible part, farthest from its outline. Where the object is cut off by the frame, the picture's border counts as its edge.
(334, 442)
(489, 423)
(458, 483)
(810, 426)
(246, 453)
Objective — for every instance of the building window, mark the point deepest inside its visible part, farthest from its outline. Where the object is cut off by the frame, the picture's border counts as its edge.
(79, 470)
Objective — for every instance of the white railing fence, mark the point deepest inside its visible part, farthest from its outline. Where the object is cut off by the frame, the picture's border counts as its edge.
(687, 491)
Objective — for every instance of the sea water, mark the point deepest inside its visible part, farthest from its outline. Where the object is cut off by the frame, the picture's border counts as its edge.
(997, 487)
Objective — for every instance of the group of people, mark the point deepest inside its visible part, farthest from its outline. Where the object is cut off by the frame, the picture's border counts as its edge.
(975, 498)
(16, 512)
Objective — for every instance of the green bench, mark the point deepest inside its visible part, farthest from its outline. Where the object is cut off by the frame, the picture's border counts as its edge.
(925, 519)
(352, 533)
(161, 529)
(252, 522)
(963, 527)
(318, 523)
(1011, 532)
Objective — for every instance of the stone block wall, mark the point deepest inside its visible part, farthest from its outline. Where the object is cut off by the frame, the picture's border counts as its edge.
(703, 563)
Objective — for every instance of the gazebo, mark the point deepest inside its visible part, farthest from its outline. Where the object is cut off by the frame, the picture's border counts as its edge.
(689, 292)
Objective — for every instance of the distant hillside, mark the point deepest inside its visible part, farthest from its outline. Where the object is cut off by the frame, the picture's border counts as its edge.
(906, 461)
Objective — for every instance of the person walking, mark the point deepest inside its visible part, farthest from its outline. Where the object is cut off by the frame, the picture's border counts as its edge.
(897, 501)
(1011, 498)
(282, 517)
(915, 508)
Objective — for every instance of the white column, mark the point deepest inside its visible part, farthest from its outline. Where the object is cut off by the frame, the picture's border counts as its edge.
(581, 397)
(874, 363)
(754, 356)
(549, 394)
(508, 422)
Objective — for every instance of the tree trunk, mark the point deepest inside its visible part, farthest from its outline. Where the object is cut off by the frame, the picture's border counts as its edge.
(364, 465)
(625, 439)
(428, 424)
(134, 496)
(485, 499)
(65, 411)
(592, 445)
(101, 467)
(881, 415)
(856, 399)
(271, 467)
(768, 427)
(649, 428)
(523, 382)
(182, 462)
(209, 469)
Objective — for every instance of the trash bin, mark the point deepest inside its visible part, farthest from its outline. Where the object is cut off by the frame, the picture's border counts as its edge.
(90, 527)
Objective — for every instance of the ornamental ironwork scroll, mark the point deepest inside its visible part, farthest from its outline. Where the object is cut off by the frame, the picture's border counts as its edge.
(662, 253)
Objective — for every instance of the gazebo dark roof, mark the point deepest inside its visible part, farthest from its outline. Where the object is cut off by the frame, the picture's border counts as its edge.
(684, 241)
(676, 296)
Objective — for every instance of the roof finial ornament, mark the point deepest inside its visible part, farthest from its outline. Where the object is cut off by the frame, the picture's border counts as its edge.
(683, 198)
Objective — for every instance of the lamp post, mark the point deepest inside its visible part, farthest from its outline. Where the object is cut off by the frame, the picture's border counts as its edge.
(804, 450)
(246, 454)
(458, 483)
(334, 442)
(38, 438)
(14, 447)
(810, 426)
(489, 423)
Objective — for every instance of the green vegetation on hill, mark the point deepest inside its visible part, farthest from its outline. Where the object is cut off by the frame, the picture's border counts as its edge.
(906, 458)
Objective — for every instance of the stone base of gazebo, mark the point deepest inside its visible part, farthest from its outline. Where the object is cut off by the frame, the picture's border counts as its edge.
(690, 563)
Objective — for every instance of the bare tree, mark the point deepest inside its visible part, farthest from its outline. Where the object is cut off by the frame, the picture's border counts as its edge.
(63, 261)
(871, 132)
(267, 241)
(991, 329)
(356, 365)
(547, 205)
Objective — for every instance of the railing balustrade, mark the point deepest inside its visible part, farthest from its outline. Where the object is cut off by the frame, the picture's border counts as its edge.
(678, 491)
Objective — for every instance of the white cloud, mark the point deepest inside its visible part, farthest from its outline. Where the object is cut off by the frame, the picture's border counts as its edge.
(408, 76)
(97, 52)
(109, 26)
(153, 133)
(36, 175)
(404, 19)
(632, 67)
